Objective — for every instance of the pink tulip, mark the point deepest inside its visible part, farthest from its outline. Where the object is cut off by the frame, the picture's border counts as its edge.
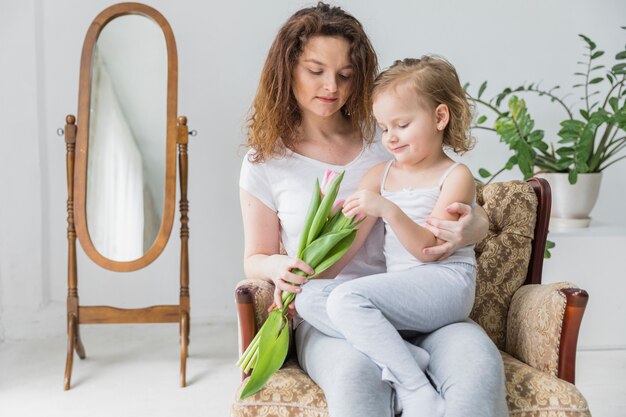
(336, 207)
(329, 177)
(359, 217)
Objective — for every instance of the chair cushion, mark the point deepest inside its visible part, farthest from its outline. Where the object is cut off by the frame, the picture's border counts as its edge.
(532, 393)
(289, 393)
(503, 256)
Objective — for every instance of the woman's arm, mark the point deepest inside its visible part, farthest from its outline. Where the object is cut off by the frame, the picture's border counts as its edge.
(471, 227)
(261, 258)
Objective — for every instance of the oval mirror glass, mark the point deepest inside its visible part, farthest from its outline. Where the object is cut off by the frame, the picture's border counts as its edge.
(127, 138)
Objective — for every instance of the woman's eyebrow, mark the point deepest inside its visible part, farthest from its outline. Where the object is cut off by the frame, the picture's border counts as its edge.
(315, 61)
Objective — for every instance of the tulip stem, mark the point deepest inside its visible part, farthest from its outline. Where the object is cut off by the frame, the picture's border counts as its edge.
(252, 362)
(250, 350)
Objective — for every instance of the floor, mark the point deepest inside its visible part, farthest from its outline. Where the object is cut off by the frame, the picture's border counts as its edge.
(132, 370)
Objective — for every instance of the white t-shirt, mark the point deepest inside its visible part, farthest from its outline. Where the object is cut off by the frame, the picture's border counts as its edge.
(284, 184)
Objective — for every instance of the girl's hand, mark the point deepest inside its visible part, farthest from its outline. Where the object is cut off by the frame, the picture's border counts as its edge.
(367, 203)
(279, 268)
(470, 228)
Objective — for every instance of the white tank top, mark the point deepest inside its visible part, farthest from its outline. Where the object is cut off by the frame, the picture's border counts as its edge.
(417, 203)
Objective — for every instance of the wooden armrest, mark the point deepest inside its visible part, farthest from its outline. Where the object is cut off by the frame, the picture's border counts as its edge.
(253, 297)
(542, 327)
(572, 318)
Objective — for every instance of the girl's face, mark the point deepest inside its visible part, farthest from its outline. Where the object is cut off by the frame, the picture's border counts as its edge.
(412, 131)
(322, 76)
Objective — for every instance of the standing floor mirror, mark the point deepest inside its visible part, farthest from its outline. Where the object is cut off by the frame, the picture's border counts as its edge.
(121, 165)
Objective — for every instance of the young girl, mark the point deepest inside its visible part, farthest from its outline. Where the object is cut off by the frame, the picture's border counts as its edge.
(421, 108)
(313, 112)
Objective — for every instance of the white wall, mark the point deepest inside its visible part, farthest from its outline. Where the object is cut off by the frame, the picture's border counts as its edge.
(221, 51)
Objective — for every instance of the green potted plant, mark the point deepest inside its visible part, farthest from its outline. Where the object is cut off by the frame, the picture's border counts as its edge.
(592, 134)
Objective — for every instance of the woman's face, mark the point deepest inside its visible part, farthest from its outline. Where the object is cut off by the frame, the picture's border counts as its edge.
(323, 76)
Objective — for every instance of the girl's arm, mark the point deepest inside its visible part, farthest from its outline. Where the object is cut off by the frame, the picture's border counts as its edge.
(458, 187)
(262, 257)
(471, 228)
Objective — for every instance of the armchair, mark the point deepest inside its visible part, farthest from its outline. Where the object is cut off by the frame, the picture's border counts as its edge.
(535, 326)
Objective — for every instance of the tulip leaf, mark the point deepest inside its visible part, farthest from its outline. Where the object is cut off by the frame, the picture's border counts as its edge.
(273, 347)
(313, 206)
(324, 209)
(336, 253)
(316, 252)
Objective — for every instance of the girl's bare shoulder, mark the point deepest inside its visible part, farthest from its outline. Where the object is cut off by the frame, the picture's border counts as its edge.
(371, 179)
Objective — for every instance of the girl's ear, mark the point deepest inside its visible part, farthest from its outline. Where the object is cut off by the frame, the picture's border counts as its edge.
(442, 115)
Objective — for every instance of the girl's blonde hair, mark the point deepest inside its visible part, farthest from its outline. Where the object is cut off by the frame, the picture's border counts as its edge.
(275, 115)
(435, 80)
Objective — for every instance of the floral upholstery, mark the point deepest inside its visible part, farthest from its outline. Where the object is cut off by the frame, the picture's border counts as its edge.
(534, 325)
(289, 393)
(532, 393)
(529, 330)
(503, 256)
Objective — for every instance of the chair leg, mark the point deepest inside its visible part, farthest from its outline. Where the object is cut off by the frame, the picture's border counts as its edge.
(80, 348)
(71, 338)
(184, 341)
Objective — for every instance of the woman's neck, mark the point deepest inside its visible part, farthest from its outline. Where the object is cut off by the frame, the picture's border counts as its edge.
(331, 139)
(318, 129)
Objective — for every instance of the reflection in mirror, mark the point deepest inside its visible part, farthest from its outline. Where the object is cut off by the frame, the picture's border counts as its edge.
(127, 138)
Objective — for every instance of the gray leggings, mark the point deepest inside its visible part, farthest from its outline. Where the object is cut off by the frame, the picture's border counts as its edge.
(368, 312)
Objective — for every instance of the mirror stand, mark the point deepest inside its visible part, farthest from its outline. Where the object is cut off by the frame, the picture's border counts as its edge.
(77, 314)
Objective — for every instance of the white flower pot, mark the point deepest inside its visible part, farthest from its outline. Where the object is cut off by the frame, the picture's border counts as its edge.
(571, 204)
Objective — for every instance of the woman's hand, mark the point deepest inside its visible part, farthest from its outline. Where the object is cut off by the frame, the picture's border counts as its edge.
(279, 268)
(367, 203)
(470, 228)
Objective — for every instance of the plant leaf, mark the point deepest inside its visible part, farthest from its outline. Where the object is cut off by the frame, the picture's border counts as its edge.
(273, 347)
(597, 54)
(336, 253)
(484, 173)
(310, 215)
(315, 252)
(481, 119)
(324, 209)
(481, 90)
(590, 43)
(596, 80)
(621, 55)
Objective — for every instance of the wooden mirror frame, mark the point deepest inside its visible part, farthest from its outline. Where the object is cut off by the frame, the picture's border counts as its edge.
(82, 139)
(177, 134)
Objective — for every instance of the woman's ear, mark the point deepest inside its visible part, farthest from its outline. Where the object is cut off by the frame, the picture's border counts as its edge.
(442, 115)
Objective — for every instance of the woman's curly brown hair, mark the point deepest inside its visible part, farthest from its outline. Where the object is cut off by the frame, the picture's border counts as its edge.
(436, 80)
(275, 115)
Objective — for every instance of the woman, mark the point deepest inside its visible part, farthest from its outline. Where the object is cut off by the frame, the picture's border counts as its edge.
(312, 112)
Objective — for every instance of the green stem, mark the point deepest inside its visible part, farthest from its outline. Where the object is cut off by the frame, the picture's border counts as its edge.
(616, 149)
(596, 159)
(486, 104)
(251, 349)
(608, 95)
(587, 80)
(252, 362)
(602, 168)
(547, 164)
(484, 128)
(495, 175)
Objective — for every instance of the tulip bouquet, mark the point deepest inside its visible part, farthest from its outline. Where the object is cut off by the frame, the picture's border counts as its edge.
(325, 238)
